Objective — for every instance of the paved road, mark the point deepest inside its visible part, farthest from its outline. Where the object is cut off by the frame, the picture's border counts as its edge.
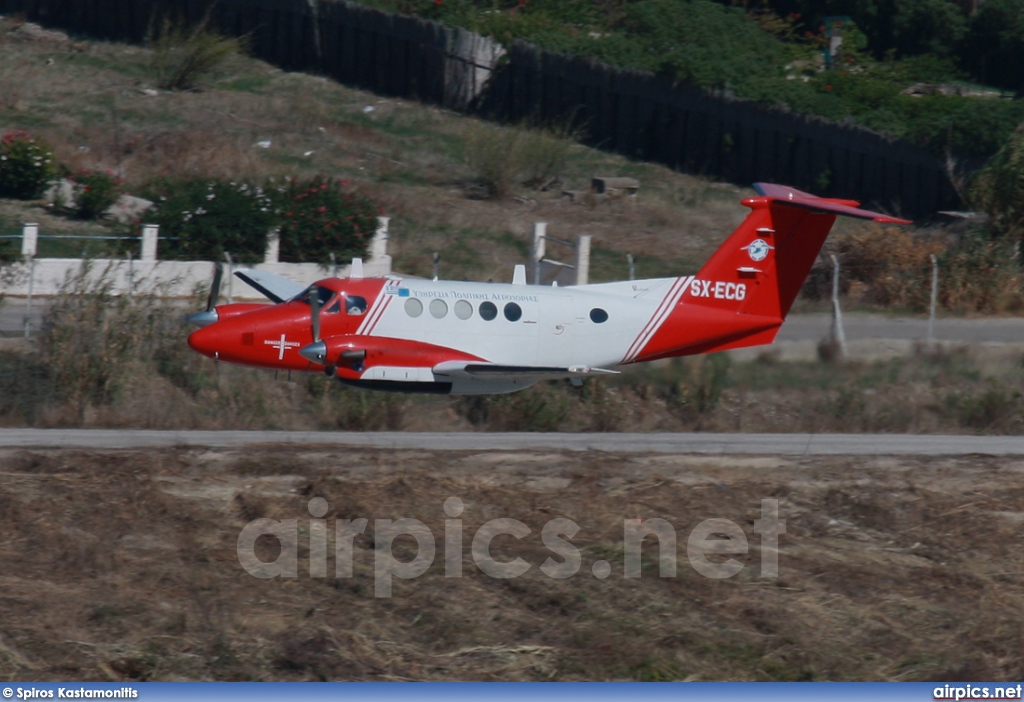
(756, 444)
(858, 326)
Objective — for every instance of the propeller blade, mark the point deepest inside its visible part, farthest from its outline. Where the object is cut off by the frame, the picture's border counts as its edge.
(209, 315)
(218, 278)
(314, 307)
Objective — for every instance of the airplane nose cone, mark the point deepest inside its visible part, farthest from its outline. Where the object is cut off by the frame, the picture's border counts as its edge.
(202, 319)
(315, 352)
(204, 341)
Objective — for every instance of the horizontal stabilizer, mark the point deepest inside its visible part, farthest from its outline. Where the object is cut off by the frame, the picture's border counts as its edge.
(274, 287)
(497, 371)
(797, 198)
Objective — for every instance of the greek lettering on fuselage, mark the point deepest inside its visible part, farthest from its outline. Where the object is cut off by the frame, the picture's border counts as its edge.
(718, 289)
(455, 294)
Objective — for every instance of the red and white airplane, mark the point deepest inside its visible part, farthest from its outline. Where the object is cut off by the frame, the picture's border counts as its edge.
(417, 335)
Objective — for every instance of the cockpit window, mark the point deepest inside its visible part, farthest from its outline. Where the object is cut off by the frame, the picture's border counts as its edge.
(324, 294)
(354, 304)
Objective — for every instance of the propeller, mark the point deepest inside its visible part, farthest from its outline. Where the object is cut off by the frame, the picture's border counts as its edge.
(317, 351)
(209, 315)
(314, 313)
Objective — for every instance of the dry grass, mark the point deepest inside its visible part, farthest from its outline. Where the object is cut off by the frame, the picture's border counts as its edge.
(96, 104)
(121, 565)
(117, 361)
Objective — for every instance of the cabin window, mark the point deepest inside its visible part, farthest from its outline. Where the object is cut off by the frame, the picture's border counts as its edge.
(413, 307)
(488, 311)
(513, 312)
(463, 310)
(598, 316)
(438, 308)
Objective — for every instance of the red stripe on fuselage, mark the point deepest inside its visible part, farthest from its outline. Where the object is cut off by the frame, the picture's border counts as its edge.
(675, 291)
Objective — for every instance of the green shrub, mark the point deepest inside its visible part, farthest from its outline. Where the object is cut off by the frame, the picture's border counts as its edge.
(95, 192)
(998, 189)
(201, 220)
(765, 51)
(183, 57)
(27, 166)
(506, 157)
(319, 218)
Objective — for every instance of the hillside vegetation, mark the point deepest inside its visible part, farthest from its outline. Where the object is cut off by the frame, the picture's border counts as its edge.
(774, 52)
(96, 105)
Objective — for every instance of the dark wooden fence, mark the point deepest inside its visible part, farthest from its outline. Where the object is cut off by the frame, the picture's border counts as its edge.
(637, 114)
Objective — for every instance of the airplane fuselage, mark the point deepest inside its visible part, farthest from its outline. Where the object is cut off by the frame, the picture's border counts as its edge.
(467, 338)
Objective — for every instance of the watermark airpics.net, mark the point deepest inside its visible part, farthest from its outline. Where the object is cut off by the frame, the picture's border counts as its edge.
(709, 547)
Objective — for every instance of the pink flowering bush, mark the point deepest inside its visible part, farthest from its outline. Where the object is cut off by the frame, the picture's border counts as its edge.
(27, 166)
(319, 218)
(95, 192)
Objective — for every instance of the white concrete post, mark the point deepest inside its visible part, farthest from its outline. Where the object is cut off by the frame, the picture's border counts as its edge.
(379, 245)
(28, 301)
(150, 233)
(29, 239)
(273, 252)
(583, 260)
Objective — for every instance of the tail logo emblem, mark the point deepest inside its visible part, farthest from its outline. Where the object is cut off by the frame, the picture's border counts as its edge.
(758, 249)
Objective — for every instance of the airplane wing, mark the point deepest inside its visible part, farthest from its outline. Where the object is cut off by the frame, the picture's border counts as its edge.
(498, 371)
(275, 287)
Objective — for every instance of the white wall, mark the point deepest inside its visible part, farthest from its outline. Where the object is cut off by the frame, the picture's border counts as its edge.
(165, 278)
(45, 277)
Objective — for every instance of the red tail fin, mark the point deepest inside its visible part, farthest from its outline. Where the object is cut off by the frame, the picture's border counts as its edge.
(742, 294)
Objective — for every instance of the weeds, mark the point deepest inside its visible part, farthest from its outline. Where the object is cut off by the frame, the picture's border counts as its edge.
(504, 158)
(110, 360)
(183, 58)
(91, 337)
(892, 268)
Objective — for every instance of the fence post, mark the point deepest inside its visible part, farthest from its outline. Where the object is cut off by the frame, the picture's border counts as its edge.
(28, 301)
(29, 239)
(538, 248)
(837, 314)
(583, 260)
(934, 300)
(150, 232)
(379, 245)
(437, 263)
(273, 252)
(632, 266)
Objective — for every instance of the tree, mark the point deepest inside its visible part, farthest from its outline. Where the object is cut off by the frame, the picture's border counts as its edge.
(993, 49)
(998, 189)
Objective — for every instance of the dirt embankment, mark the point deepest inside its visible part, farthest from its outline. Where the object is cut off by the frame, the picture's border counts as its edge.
(123, 565)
